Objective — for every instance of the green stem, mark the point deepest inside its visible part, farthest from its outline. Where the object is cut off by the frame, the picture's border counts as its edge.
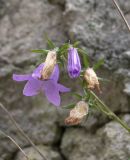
(105, 109)
(98, 106)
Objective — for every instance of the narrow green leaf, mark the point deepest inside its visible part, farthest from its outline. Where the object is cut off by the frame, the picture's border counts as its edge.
(82, 51)
(85, 57)
(77, 95)
(76, 44)
(85, 92)
(98, 64)
(51, 45)
(40, 51)
(63, 48)
(60, 64)
(70, 106)
(103, 79)
(85, 61)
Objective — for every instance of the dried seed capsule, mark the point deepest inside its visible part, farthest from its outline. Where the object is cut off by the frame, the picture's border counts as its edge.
(91, 78)
(49, 65)
(77, 113)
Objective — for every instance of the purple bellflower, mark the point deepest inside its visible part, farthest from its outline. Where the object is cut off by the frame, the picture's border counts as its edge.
(74, 65)
(50, 87)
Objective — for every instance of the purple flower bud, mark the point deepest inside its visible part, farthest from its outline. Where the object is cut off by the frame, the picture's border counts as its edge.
(74, 65)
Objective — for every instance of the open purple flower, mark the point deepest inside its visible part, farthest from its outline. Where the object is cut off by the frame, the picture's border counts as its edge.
(74, 65)
(50, 87)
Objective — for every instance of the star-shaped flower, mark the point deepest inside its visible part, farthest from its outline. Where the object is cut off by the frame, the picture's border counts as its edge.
(50, 87)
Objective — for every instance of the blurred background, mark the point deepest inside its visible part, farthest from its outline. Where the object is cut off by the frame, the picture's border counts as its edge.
(101, 31)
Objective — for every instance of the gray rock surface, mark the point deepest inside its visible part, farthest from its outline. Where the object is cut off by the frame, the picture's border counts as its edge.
(127, 89)
(22, 28)
(102, 32)
(97, 24)
(109, 142)
(33, 155)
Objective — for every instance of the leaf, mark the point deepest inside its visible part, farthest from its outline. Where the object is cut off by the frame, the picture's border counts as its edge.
(50, 44)
(82, 51)
(103, 79)
(60, 64)
(63, 48)
(85, 61)
(98, 64)
(70, 106)
(85, 57)
(40, 51)
(85, 92)
(77, 95)
(76, 44)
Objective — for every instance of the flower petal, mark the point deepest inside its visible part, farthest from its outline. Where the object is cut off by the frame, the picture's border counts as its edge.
(37, 72)
(63, 88)
(51, 90)
(32, 87)
(19, 78)
(55, 73)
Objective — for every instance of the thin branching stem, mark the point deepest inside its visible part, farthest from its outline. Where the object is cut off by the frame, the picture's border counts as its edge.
(7, 136)
(21, 131)
(106, 110)
(121, 13)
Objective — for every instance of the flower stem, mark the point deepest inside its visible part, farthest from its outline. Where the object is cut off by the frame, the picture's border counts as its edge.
(7, 136)
(122, 14)
(22, 132)
(106, 110)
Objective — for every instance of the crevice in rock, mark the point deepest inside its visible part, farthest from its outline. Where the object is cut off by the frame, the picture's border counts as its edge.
(120, 113)
(57, 145)
(2, 8)
(60, 3)
(61, 131)
(98, 126)
(13, 155)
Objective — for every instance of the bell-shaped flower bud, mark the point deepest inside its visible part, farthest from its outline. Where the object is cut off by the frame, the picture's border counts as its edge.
(77, 113)
(91, 79)
(49, 65)
(74, 65)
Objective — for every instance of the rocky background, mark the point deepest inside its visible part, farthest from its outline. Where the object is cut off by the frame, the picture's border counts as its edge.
(97, 24)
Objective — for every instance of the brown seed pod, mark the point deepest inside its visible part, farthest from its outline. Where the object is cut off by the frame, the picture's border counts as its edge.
(50, 63)
(72, 121)
(92, 79)
(77, 113)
